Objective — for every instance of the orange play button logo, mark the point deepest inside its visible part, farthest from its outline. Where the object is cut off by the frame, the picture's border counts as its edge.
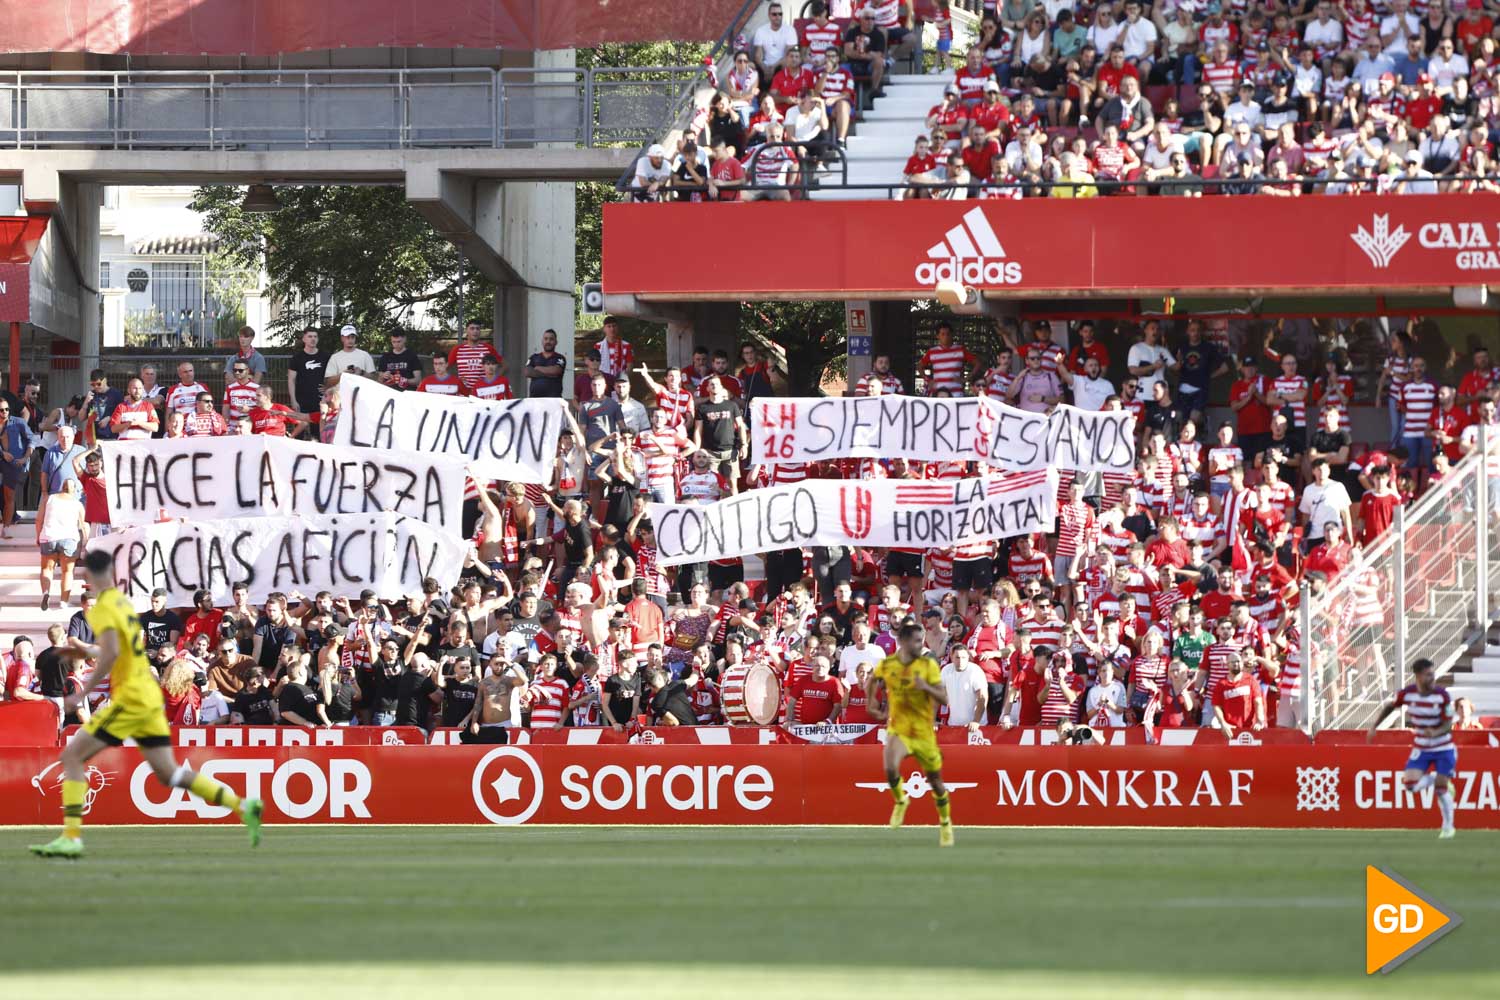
(1398, 921)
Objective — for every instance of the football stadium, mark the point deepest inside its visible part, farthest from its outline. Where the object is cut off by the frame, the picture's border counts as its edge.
(551, 496)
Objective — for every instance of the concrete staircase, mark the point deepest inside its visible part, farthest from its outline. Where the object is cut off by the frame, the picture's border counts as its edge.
(882, 140)
(21, 594)
(1477, 676)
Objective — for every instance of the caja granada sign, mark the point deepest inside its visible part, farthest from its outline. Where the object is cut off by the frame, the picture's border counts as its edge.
(1216, 786)
(1039, 246)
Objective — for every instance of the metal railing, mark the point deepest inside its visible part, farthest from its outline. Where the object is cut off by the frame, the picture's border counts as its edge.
(338, 109)
(1421, 590)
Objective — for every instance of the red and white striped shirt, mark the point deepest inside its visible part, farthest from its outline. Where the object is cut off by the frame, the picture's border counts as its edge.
(1148, 668)
(940, 565)
(819, 38)
(1052, 355)
(1223, 76)
(615, 358)
(995, 382)
(1289, 681)
(240, 398)
(890, 385)
(1073, 519)
(677, 405)
(947, 365)
(208, 424)
(1283, 385)
(1427, 711)
(467, 361)
(1417, 401)
(1221, 460)
(837, 83)
(1036, 567)
(183, 398)
(1189, 455)
(1216, 661)
(549, 701)
(702, 487)
(661, 451)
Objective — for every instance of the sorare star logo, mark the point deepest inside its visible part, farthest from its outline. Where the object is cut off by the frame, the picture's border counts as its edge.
(507, 786)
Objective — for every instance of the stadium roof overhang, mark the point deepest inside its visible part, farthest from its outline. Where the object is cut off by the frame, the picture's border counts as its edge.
(1086, 251)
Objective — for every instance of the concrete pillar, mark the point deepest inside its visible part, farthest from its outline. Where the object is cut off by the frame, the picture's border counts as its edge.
(535, 239)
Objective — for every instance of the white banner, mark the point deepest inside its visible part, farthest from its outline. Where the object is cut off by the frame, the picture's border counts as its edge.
(513, 439)
(343, 554)
(207, 478)
(866, 512)
(961, 429)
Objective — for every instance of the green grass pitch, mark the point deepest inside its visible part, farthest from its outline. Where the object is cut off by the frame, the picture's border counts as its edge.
(699, 912)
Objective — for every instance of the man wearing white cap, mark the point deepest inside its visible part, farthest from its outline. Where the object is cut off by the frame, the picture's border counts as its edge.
(651, 174)
(349, 355)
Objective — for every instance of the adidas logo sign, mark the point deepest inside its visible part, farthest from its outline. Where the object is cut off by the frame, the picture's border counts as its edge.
(970, 254)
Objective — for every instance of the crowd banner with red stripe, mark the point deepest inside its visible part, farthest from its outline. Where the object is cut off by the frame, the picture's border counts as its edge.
(1042, 246)
(510, 439)
(343, 554)
(1226, 786)
(881, 512)
(241, 476)
(963, 429)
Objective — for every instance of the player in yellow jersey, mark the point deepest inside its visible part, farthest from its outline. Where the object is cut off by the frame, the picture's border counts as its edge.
(134, 712)
(913, 684)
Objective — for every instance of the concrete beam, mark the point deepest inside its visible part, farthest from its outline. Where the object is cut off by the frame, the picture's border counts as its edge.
(462, 209)
(312, 166)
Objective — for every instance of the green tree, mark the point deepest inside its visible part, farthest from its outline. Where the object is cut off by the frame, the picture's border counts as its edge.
(381, 260)
(811, 333)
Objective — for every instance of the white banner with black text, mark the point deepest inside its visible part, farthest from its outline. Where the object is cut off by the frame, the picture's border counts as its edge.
(343, 554)
(865, 512)
(512, 439)
(959, 429)
(214, 478)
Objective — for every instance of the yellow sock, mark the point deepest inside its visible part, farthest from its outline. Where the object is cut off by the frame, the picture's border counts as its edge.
(898, 790)
(72, 796)
(212, 791)
(941, 801)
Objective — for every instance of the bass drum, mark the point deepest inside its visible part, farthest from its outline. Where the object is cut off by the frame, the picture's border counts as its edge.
(751, 694)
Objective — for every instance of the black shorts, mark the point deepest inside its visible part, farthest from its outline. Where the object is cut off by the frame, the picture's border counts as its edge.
(903, 564)
(720, 577)
(486, 734)
(973, 574)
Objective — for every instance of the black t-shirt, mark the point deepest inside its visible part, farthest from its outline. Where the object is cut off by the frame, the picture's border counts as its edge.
(575, 539)
(51, 673)
(1164, 418)
(1289, 450)
(464, 652)
(298, 698)
(1329, 442)
(458, 702)
(404, 363)
(621, 691)
(527, 628)
(159, 627)
(1139, 525)
(717, 421)
(341, 708)
(547, 386)
(274, 637)
(255, 706)
(413, 704)
(863, 41)
(309, 371)
(1197, 362)
(384, 676)
(673, 698)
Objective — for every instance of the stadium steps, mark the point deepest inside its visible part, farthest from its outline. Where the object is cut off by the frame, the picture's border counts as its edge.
(21, 594)
(877, 151)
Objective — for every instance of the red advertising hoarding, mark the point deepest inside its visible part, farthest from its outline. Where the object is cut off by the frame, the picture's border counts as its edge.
(1045, 246)
(1227, 786)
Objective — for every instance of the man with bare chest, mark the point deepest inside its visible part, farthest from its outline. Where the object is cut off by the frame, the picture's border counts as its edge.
(497, 709)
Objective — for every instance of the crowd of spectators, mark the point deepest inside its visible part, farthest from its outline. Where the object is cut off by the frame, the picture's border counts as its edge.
(1164, 596)
(1078, 100)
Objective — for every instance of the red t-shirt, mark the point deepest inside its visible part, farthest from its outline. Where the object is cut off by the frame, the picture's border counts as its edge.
(95, 499)
(1255, 417)
(1029, 683)
(270, 420)
(1237, 699)
(1376, 512)
(815, 699)
(498, 389)
(1215, 605)
(450, 385)
(200, 624)
(981, 160)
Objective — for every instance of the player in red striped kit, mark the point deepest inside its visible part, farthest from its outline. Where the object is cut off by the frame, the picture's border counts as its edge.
(1434, 758)
(467, 358)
